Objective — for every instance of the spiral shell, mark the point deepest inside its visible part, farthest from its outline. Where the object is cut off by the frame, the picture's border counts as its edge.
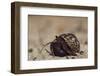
(65, 45)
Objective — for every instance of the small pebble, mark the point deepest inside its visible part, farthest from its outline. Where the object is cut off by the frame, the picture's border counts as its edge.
(81, 52)
(34, 58)
(30, 50)
(85, 42)
(73, 57)
(67, 57)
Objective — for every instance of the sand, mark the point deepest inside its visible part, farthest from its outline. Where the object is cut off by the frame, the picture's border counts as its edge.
(43, 29)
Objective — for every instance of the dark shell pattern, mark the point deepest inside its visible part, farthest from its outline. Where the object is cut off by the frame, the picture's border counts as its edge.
(65, 45)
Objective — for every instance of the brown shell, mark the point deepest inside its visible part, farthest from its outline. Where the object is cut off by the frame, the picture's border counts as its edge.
(72, 41)
(65, 45)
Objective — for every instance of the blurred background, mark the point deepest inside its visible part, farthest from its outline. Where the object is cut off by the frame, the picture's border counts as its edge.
(43, 29)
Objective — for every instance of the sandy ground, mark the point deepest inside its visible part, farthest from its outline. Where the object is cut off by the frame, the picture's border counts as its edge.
(43, 29)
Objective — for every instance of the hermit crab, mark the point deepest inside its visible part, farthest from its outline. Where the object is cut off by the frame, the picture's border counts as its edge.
(64, 45)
